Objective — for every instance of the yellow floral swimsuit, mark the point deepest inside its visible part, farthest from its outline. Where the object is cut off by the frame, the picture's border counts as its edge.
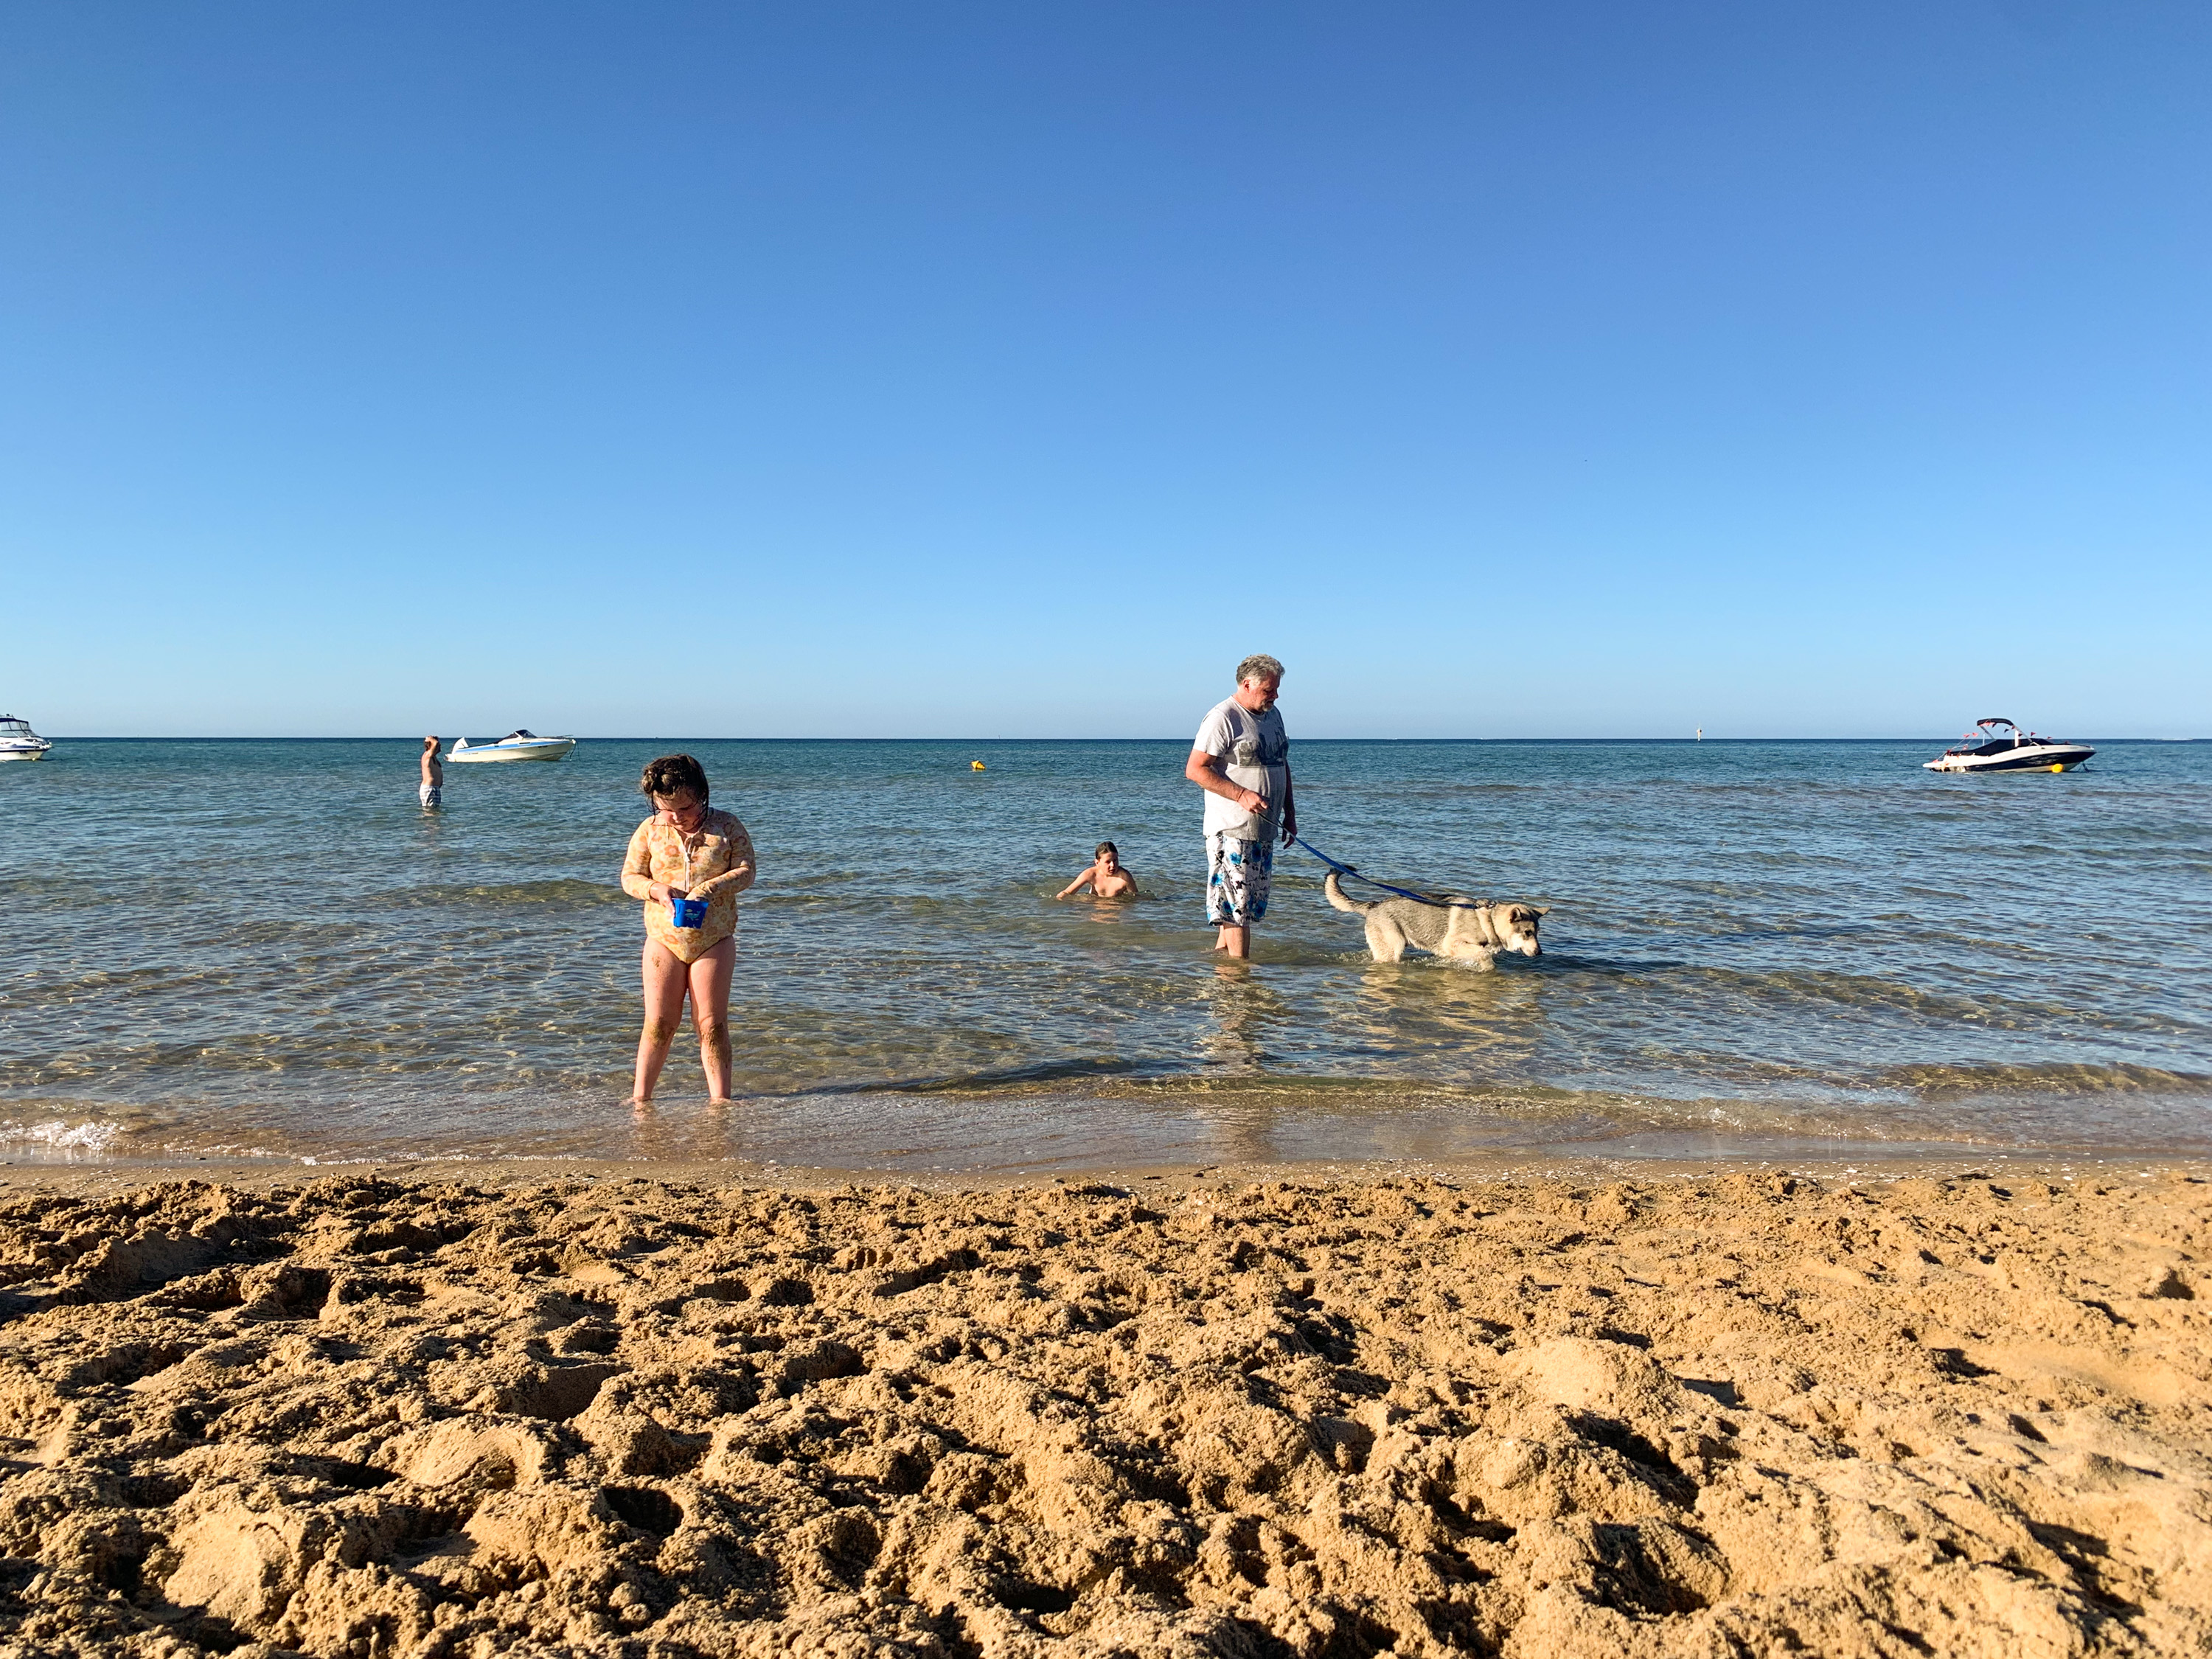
(714, 863)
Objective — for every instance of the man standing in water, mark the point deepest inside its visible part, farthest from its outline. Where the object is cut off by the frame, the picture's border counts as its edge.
(1241, 759)
(433, 791)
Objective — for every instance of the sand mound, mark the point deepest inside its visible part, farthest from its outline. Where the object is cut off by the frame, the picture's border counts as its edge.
(371, 1417)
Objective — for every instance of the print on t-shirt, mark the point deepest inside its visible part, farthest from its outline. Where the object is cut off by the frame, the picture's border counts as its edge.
(1255, 754)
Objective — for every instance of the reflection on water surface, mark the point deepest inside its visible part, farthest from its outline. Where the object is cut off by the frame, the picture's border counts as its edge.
(1809, 940)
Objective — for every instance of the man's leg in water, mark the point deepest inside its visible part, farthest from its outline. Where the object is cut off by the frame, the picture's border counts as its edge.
(665, 980)
(710, 1014)
(1238, 876)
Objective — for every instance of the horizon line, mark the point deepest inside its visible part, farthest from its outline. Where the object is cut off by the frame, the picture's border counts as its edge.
(411, 738)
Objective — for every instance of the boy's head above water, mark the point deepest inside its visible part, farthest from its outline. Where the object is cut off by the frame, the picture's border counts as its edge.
(1105, 876)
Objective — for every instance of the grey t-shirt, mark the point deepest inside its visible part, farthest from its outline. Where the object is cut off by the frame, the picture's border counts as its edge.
(1255, 752)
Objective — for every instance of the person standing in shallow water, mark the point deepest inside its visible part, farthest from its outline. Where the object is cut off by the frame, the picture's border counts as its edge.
(1241, 759)
(687, 850)
(433, 791)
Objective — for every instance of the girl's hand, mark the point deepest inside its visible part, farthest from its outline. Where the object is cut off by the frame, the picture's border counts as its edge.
(666, 894)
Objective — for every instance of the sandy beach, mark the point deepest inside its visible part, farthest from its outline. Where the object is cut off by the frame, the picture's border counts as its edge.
(412, 1412)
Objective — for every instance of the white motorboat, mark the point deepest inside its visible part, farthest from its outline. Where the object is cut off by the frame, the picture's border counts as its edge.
(18, 742)
(521, 745)
(1998, 745)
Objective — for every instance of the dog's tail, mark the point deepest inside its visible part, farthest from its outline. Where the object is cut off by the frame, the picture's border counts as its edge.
(1334, 889)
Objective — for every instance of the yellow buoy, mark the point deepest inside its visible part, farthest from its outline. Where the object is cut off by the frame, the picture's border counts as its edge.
(2058, 769)
(976, 766)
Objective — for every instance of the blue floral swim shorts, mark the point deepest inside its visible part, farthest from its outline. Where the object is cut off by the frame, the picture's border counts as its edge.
(1239, 873)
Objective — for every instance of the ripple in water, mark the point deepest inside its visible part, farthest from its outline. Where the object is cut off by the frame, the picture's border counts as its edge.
(1749, 942)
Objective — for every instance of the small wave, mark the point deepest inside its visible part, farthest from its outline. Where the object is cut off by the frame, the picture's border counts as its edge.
(1024, 1079)
(567, 890)
(1864, 992)
(245, 1152)
(1764, 935)
(1943, 1081)
(59, 1136)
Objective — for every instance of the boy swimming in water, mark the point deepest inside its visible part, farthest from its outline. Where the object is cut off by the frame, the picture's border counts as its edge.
(1105, 878)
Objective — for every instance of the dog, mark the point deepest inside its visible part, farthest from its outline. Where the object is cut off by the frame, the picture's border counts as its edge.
(1468, 931)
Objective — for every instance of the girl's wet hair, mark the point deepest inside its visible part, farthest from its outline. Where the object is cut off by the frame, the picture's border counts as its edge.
(674, 775)
(1105, 847)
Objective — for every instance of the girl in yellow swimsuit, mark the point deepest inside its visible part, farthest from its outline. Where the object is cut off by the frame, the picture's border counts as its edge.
(686, 850)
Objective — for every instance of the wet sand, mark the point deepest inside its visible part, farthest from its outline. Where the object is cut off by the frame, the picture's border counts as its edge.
(601, 1410)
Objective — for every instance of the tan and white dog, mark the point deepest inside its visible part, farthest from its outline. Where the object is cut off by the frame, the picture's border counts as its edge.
(1466, 930)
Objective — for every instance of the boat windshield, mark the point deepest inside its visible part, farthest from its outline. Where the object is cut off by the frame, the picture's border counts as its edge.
(12, 727)
(523, 732)
(1990, 736)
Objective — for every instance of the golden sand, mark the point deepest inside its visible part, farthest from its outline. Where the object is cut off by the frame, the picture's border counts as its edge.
(1712, 1416)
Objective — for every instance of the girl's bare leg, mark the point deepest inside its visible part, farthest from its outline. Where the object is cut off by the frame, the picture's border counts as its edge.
(666, 982)
(710, 1015)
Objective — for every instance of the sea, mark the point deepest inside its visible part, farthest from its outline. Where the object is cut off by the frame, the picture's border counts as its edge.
(1772, 949)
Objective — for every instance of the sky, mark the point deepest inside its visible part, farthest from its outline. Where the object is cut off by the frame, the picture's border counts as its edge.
(967, 370)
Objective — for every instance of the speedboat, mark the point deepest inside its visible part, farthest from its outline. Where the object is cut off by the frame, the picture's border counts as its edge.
(520, 745)
(1998, 745)
(18, 742)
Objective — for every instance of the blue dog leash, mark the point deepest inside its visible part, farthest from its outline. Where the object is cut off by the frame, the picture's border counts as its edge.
(1344, 869)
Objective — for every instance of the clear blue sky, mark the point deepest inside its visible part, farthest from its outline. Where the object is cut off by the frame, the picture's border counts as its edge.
(1011, 370)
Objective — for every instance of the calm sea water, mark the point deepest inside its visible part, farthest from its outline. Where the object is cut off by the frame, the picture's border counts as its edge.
(266, 947)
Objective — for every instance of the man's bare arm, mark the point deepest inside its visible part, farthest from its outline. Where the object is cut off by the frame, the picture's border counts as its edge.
(1205, 770)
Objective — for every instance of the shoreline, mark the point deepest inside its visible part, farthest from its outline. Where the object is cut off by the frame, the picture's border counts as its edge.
(714, 1409)
(18, 1177)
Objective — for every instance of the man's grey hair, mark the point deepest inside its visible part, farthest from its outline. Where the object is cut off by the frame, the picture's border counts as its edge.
(1261, 667)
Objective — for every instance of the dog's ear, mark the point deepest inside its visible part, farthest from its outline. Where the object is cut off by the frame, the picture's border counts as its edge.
(1542, 909)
